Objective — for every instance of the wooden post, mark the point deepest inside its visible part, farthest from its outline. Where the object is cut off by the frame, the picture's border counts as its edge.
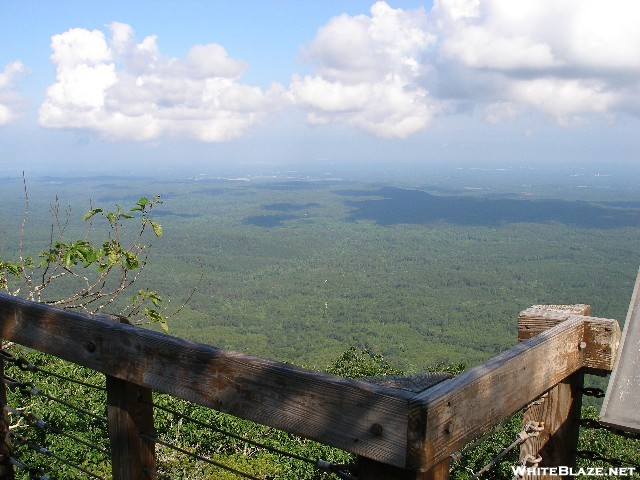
(372, 470)
(130, 414)
(559, 409)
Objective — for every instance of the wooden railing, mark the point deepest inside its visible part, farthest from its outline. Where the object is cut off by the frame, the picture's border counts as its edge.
(396, 433)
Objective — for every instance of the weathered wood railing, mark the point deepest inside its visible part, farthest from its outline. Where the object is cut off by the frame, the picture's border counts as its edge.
(396, 433)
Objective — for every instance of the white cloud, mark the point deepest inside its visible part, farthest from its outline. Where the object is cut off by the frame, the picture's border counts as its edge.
(569, 59)
(390, 72)
(125, 89)
(369, 73)
(10, 100)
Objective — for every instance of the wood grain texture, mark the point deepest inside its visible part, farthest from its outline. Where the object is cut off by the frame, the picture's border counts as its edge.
(332, 410)
(559, 411)
(451, 414)
(602, 339)
(130, 415)
(539, 318)
(602, 335)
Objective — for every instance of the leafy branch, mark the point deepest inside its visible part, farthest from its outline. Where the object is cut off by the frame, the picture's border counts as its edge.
(96, 273)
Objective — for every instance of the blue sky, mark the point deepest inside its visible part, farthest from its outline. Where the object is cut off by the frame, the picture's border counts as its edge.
(115, 86)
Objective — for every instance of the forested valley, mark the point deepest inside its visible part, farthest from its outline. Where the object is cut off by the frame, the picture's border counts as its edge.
(300, 271)
(350, 278)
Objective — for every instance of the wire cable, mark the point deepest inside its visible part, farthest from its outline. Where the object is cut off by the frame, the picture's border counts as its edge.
(321, 465)
(596, 425)
(616, 462)
(233, 435)
(20, 440)
(28, 388)
(34, 473)
(457, 455)
(26, 366)
(35, 421)
(531, 429)
(199, 457)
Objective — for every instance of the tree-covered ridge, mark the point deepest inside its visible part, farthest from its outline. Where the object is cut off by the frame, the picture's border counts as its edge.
(330, 275)
(339, 273)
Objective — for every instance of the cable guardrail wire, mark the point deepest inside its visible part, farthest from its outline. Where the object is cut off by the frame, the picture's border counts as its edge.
(615, 462)
(28, 388)
(198, 457)
(21, 440)
(596, 425)
(584, 454)
(34, 473)
(458, 457)
(458, 454)
(34, 421)
(26, 366)
(340, 470)
(531, 429)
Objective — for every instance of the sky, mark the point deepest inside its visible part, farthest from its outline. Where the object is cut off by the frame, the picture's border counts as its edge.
(113, 87)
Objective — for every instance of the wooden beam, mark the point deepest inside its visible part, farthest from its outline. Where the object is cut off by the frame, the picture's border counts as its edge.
(372, 470)
(602, 340)
(405, 429)
(451, 414)
(131, 425)
(538, 318)
(359, 417)
(602, 335)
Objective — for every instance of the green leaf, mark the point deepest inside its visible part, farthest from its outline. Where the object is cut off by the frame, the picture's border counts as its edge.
(90, 214)
(164, 325)
(91, 257)
(111, 217)
(68, 260)
(156, 317)
(157, 228)
(131, 261)
(155, 298)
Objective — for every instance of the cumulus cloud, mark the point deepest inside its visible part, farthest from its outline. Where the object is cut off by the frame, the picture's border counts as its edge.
(369, 73)
(10, 100)
(390, 72)
(393, 71)
(126, 89)
(569, 59)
